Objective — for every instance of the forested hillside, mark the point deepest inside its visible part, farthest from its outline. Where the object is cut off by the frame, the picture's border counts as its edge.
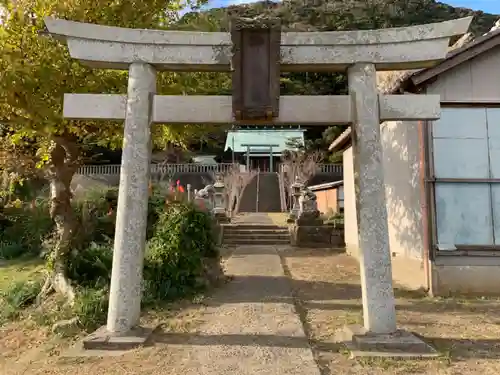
(329, 15)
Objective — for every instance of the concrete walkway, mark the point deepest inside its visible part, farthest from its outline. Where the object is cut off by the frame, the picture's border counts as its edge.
(252, 218)
(250, 325)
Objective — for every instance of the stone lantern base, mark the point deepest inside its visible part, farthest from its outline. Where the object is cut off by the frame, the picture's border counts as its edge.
(221, 216)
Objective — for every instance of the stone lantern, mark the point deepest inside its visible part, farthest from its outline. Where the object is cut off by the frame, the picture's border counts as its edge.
(219, 209)
(296, 187)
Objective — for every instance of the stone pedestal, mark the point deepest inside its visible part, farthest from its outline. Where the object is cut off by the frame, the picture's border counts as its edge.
(399, 344)
(102, 339)
(131, 220)
(315, 235)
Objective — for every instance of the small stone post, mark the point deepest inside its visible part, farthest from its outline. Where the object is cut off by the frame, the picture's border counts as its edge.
(373, 233)
(131, 219)
(188, 188)
(219, 209)
(296, 191)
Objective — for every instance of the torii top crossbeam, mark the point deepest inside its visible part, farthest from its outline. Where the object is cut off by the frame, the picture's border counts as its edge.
(389, 49)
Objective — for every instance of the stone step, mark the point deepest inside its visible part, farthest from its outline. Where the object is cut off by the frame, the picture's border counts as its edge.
(264, 231)
(252, 236)
(253, 227)
(256, 242)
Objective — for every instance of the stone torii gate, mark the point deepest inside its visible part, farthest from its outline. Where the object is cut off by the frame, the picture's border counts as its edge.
(256, 52)
(269, 147)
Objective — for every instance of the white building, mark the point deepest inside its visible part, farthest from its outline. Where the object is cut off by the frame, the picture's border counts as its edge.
(443, 178)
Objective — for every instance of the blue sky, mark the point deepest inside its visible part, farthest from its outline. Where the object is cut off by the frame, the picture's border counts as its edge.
(488, 6)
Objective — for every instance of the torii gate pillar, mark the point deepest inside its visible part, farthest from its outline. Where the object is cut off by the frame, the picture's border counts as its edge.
(131, 221)
(375, 261)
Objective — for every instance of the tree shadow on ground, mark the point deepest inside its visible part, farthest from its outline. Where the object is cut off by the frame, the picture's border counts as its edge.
(460, 349)
(182, 338)
(463, 349)
(323, 250)
(333, 296)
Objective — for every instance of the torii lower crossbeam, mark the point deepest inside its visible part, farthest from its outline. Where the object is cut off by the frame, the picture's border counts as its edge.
(300, 110)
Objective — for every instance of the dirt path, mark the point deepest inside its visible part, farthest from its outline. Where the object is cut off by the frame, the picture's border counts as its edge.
(250, 326)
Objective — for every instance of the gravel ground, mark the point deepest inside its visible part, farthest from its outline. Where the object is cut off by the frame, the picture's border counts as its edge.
(465, 331)
(258, 322)
(249, 326)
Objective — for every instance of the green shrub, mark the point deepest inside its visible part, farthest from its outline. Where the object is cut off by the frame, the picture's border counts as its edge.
(91, 267)
(183, 236)
(335, 219)
(11, 250)
(160, 197)
(179, 237)
(28, 226)
(96, 214)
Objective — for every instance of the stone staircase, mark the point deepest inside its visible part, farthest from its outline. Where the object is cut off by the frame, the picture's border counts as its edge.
(262, 194)
(254, 234)
(268, 193)
(248, 201)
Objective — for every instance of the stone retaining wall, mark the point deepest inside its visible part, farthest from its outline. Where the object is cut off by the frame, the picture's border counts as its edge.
(316, 236)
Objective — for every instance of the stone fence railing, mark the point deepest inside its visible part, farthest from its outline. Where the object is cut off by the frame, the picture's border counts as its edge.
(336, 169)
(114, 169)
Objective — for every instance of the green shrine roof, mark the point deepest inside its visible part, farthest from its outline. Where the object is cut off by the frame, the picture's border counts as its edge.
(264, 137)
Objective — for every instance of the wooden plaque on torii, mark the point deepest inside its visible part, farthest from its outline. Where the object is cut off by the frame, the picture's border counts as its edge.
(255, 69)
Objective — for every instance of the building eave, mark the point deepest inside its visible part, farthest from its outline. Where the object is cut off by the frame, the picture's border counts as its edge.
(342, 142)
(458, 56)
(328, 185)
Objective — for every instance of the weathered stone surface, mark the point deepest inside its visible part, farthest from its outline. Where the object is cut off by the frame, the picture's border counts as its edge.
(375, 258)
(308, 213)
(316, 235)
(259, 22)
(204, 198)
(321, 110)
(391, 49)
(131, 219)
(219, 199)
(102, 339)
(400, 344)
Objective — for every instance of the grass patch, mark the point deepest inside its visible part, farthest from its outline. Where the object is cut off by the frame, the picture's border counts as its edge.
(13, 271)
(20, 283)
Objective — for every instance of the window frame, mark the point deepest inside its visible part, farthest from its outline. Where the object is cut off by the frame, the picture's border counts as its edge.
(431, 181)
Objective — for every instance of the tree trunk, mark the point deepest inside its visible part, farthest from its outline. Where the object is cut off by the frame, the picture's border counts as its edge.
(63, 165)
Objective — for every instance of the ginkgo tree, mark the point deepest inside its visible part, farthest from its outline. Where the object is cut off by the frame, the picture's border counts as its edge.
(36, 71)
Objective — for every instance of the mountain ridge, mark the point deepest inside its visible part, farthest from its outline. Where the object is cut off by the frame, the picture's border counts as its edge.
(330, 15)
